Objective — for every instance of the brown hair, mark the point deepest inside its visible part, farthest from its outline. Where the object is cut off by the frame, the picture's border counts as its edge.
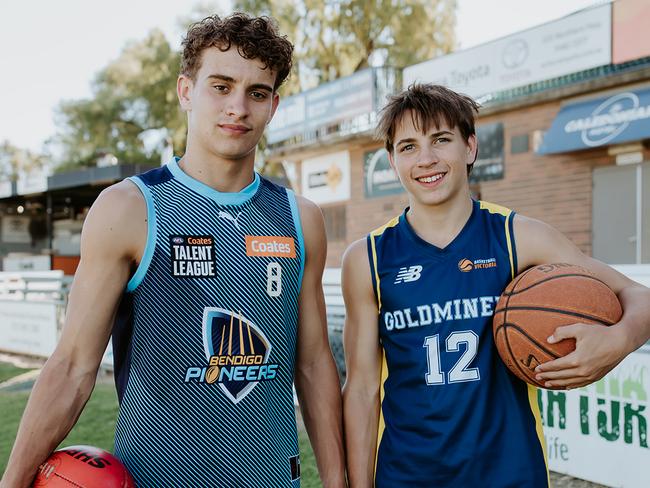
(254, 37)
(429, 105)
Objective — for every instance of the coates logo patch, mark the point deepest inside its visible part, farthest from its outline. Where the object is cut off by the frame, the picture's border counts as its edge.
(270, 246)
(192, 256)
(467, 265)
(236, 352)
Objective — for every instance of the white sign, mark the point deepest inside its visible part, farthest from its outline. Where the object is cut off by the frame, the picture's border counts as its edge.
(15, 229)
(6, 189)
(600, 432)
(326, 179)
(571, 44)
(34, 262)
(28, 327)
(33, 182)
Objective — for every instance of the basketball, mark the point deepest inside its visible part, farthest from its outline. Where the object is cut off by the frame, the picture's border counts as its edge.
(538, 301)
(83, 467)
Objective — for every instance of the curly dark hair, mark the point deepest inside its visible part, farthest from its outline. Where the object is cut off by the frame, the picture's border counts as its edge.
(429, 105)
(255, 38)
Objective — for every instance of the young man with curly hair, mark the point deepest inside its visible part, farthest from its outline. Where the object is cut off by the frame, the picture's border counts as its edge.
(208, 277)
(427, 401)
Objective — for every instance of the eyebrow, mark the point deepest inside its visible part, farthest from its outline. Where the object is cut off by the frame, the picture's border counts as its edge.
(409, 140)
(229, 79)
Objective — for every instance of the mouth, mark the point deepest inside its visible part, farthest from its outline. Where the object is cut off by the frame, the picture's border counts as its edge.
(234, 129)
(431, 180)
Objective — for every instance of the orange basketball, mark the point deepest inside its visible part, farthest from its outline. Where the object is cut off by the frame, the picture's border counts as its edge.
(83, 467)
(538, 301)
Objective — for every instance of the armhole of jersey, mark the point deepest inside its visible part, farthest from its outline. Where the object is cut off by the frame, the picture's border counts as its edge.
(510, 242)
(293, 203)
(147, 255)
(374, 272)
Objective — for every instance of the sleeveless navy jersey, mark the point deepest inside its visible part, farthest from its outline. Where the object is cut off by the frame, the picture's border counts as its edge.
(205, 339)
(451, 413)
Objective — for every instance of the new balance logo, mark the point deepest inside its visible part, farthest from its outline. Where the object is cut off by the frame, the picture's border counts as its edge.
(227, 216)
(405, 274)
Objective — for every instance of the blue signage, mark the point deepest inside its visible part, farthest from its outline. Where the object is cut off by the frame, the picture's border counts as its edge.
(618, 118)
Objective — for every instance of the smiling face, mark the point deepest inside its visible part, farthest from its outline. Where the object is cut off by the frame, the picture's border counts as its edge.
(229, 103)
(431, 163)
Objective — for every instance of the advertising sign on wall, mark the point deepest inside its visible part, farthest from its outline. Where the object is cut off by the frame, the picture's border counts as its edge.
(491, 158)
(28, 327)
(600, 432)
(571, 44)
(332, 102)
(621, 117)
(326, 178)
(379, 179)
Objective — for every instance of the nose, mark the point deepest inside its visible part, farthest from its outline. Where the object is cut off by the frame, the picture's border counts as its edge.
(237, 106)
(428, 156)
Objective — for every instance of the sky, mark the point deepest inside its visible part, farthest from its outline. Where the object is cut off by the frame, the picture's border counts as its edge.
(51, 50)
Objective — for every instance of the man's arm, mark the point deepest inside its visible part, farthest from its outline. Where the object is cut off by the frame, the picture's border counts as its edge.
(363, 363)
(598, 348)
(113, 236)
(316, 379)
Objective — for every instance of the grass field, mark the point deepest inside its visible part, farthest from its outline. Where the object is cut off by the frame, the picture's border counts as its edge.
(9, 371)
(97, 423)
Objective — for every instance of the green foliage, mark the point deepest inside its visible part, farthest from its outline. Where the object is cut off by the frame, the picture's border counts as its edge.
(134, 96)
(14, 160)
(335, 38)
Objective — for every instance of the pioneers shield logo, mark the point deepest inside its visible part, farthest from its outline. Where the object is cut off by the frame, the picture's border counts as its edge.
(237, 352)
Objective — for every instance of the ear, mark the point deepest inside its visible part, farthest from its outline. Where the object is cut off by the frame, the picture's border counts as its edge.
(472, 149)
(274, 107)
(184, 86)
(391, 160)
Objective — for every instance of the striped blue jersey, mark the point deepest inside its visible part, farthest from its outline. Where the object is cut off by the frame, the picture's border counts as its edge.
(205, 338)
(451, 413)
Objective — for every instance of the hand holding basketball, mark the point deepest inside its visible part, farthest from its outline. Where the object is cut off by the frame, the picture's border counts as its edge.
(569, 304)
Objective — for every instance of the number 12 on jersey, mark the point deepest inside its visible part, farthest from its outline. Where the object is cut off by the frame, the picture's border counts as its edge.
(459, 372)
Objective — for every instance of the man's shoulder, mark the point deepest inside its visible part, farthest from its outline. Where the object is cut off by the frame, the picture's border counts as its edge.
(117, 218)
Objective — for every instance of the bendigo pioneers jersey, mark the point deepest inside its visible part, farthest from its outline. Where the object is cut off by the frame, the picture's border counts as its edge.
(451, 413)
(205, 340)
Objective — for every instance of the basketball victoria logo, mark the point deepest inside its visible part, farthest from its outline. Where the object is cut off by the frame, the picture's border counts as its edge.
(237, 354)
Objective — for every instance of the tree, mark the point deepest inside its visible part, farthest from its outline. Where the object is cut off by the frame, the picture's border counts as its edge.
(335, 38)
(133, 112)
(15, 160)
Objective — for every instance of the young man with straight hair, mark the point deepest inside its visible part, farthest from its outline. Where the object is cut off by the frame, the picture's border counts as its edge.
(209, 278)
(427, 401)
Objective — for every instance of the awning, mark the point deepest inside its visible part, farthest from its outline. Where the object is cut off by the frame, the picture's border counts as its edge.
(622, 117)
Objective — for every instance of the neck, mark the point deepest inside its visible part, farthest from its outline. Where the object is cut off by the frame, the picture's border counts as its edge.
(222, 174)
(440, 224)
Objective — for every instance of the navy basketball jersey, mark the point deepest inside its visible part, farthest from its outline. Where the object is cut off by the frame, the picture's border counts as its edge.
(205, 340)
(451, 413)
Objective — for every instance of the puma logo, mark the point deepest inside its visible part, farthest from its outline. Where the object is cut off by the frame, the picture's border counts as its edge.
(229, 217)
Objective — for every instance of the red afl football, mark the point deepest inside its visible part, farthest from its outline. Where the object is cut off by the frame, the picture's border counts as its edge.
(83, 467)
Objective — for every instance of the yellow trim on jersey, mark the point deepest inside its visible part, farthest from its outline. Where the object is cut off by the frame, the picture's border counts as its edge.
(381, 425)
(384, 366)
(493, 208)
(534, 406)
(375, 233)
